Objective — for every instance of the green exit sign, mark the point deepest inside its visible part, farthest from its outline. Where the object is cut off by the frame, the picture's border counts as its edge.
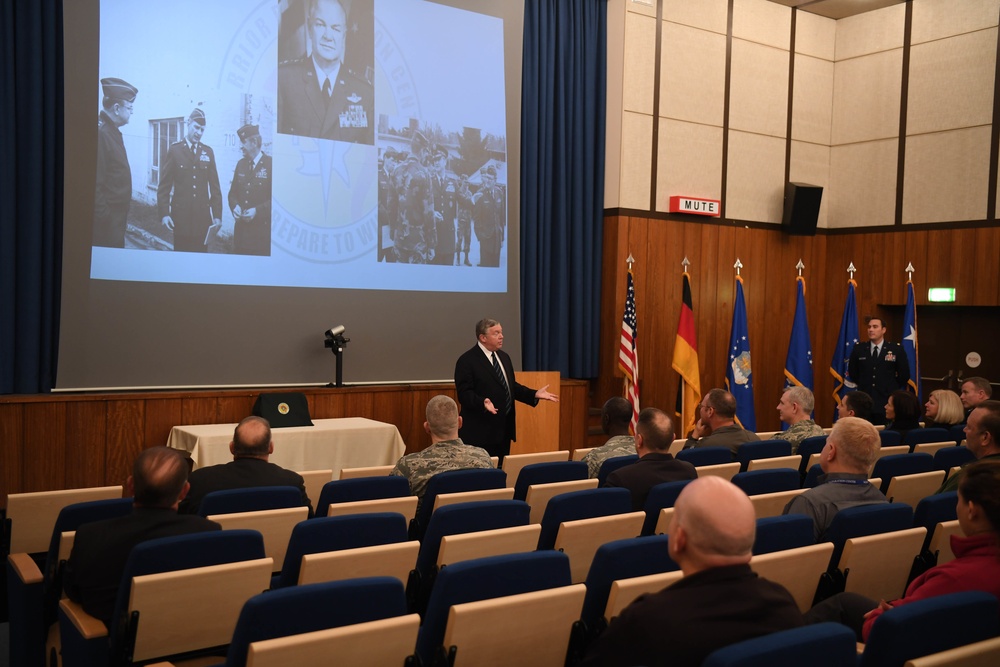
(941, 295)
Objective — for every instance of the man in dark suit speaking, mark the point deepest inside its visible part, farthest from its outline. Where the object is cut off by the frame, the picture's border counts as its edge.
(487, 389)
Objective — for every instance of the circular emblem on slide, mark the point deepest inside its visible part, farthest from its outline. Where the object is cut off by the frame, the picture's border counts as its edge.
(283, 408)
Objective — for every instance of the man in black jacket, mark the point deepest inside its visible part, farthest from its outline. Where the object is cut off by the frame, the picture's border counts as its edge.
(251, 447)
(158, 483)
(654, 433)
(487, 389)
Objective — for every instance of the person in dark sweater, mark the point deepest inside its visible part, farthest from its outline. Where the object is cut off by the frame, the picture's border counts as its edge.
(158, 483)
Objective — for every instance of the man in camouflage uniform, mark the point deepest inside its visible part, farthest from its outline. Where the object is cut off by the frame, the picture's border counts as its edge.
(447, 451)
(415, 237)
(490, 216)
(615, 418)
(795, 409)
(113, 191)
(463, 205)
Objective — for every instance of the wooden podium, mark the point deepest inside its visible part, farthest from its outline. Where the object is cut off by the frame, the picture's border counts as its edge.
(538, 427)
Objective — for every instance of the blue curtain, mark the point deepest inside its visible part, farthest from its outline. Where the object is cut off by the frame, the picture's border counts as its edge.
(31, 197)
(562, 175)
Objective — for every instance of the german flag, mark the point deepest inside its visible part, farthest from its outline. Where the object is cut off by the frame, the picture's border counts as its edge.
(686, 364)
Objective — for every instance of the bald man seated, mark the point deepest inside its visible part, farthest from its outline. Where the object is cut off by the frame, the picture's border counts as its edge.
(251, 447)
(720, 600)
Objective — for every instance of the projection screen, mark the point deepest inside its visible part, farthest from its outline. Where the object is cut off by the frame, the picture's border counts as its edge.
(262, 171)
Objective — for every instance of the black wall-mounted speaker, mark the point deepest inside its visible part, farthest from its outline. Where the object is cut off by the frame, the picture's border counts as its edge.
(801, 208)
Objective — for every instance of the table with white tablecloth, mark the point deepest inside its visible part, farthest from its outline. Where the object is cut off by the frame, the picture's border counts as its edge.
(350, 442)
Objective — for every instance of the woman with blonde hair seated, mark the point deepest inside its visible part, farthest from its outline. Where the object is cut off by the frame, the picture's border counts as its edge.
(943, 409)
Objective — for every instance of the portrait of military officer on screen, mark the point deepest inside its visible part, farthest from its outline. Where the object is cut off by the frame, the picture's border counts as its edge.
(326, 70)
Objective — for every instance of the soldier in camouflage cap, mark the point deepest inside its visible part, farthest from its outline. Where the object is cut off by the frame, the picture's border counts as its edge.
(447, 451)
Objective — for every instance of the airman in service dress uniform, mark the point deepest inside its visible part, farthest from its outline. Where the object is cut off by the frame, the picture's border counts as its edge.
(188, 199)
(250, 196)
(113, 190)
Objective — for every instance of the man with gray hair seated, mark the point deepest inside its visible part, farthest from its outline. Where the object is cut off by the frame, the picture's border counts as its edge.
(720, 600)
(446, 452)
(795, 409)
(848, 455)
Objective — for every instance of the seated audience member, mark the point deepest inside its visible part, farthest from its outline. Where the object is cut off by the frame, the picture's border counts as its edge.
(446, 452)
(795, 409)
(251, 447)
(159, 481)
(977, 557)
(653, 436)
(982, 437)
(943, 409)
(616, 415)
(720, 600)
(902, 412)
(849, 453)
(975, 390)
(716, 425)
(855, 404)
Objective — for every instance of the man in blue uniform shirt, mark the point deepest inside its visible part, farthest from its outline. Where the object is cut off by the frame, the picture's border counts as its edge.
(188, 198)
(317, 95)
(113, 191)
(250, 196)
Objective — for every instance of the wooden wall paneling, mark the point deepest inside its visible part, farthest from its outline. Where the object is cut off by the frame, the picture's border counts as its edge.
(985, 283)
(411, 425)
(86, 429)
(44, 463)
(964, 264)
(765, 329)
(125, 434)
(394, 407)
(573, 408)
(661, 261)
(916, 252)
(708, 289)
(11, 450)
(939, 261)
(360, 404)
(199, 408)
(328, 404)
(231, 408)
(162, 414)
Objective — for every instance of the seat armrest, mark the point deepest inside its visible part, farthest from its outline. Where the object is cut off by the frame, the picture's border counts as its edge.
(25, 568)
(86, 625)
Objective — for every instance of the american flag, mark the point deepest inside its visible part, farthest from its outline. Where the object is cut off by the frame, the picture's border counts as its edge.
(628, 360)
